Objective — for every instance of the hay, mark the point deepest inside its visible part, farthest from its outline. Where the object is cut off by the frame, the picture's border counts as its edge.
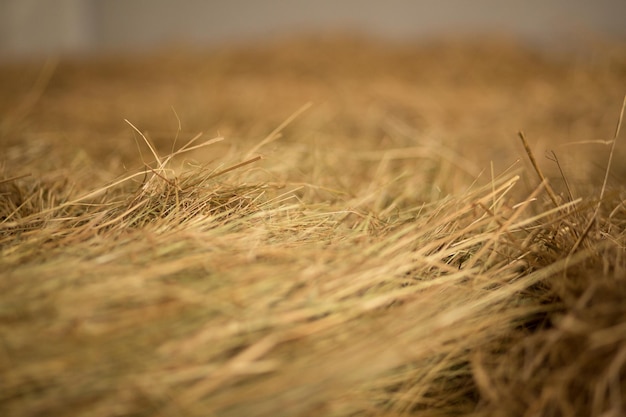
(388, 250)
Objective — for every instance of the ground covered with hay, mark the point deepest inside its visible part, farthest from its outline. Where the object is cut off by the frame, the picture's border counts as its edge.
(360, 230)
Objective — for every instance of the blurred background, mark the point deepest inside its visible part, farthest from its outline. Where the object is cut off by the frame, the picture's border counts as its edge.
(36, 28)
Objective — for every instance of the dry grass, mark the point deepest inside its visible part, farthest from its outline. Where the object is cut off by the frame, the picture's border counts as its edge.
(393, 252)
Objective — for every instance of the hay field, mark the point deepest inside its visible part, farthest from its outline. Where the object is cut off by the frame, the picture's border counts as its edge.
(315, 227)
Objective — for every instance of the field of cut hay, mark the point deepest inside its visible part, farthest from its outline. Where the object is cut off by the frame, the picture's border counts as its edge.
(316, 227)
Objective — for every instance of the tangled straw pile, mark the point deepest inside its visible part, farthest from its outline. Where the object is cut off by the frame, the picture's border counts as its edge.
(388, 255)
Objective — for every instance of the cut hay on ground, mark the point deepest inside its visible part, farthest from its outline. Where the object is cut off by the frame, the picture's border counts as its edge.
(392, 248)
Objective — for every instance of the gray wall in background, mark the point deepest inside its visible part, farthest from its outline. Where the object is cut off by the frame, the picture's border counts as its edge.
(44, 27)
(30, 27)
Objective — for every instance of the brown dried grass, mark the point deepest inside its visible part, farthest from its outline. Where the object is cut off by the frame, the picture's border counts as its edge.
(373, 262)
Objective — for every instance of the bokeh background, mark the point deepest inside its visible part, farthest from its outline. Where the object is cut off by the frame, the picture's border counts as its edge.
(43, 27)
